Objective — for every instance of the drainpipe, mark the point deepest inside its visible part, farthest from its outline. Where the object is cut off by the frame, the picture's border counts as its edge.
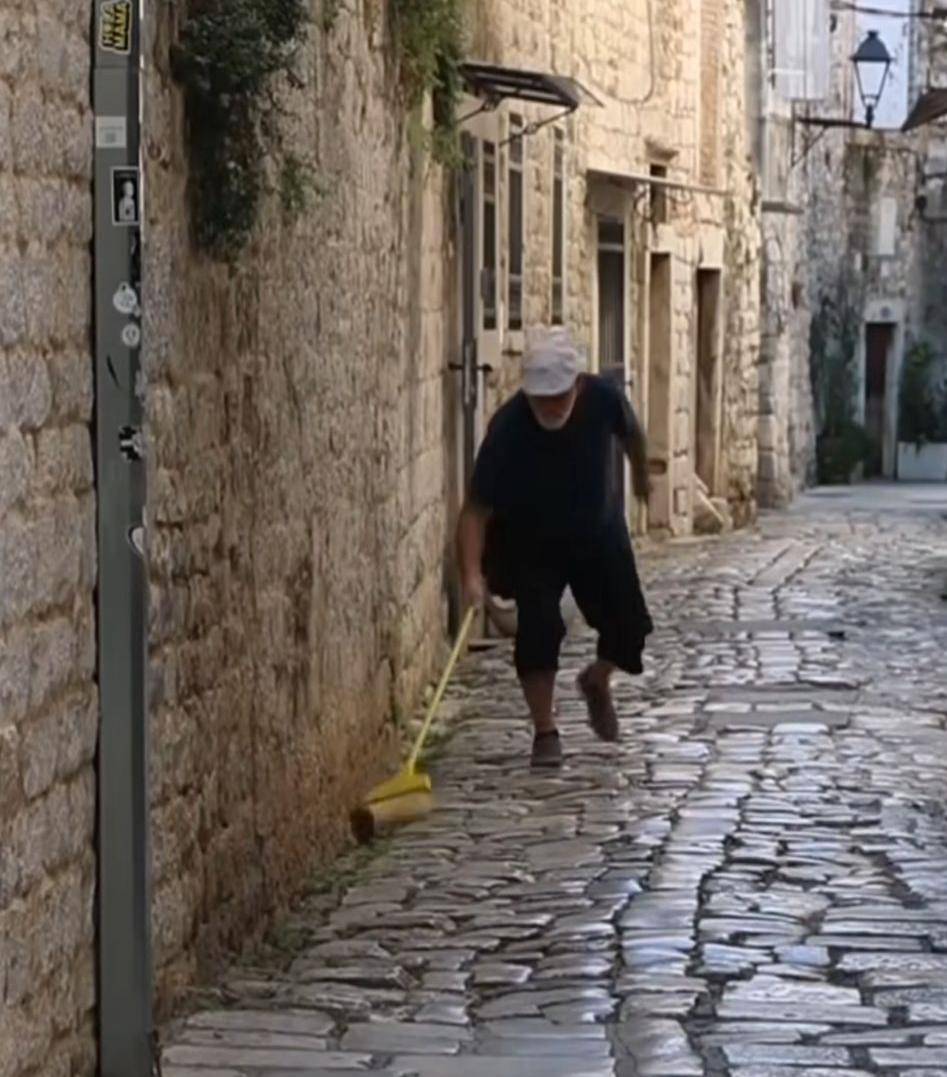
(124, 903)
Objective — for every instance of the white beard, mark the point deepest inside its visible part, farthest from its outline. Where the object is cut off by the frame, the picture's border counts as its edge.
(553, 424)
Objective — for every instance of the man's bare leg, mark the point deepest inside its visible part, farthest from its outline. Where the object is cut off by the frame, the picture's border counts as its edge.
(539, 690)
(599, 673)
(594, 685)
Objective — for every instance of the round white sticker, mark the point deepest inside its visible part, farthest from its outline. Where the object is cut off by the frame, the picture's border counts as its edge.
(125, 299)
(131, 335)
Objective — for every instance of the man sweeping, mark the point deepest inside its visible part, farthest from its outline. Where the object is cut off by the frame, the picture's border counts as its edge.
(542, 514)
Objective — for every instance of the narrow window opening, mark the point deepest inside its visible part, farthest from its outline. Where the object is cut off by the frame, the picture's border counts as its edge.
(515, 225)
(558, 227)
(658, 196)
(489, 283)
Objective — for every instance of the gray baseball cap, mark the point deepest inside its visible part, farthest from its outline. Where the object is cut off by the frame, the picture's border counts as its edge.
(552, 362)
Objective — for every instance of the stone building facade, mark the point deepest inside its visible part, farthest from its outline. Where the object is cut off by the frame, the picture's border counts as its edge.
(308, 436)
(48, 704)
(854, 253)
(786, 435)
(662, 229)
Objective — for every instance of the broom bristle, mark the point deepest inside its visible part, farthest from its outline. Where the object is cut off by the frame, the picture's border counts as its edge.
(371, 819)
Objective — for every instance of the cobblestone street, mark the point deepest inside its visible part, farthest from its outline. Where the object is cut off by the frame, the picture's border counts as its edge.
(753, 883)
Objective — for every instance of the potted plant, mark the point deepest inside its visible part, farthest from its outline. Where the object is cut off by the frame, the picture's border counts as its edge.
(922, 418)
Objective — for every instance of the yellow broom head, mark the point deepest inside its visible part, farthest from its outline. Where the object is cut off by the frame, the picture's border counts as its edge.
(405, 797)
(406, 781)
(373, 818)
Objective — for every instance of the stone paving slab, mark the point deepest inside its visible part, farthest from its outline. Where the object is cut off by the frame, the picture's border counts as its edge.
(487, 1066)
(753, 883)
(259, 1058)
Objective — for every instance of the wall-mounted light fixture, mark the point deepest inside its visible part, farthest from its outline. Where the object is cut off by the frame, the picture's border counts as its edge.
(872, 63)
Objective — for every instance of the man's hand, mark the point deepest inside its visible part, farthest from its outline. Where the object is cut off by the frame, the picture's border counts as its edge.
(475, 591)
(471, 536)
(636, 449)
(642, 487)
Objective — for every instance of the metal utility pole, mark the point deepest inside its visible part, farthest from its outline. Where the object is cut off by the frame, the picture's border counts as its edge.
(124, 902)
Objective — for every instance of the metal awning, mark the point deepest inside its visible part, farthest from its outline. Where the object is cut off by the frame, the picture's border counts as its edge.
(930, 106)
(495, 84)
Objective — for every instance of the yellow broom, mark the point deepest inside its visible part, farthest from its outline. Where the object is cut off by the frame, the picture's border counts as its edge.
(407, 796)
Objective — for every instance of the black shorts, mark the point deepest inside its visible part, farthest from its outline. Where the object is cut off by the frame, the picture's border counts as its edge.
(603, 577)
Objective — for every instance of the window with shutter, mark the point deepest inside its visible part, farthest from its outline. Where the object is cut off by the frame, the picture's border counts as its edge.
(515, 229)
(558, 226)
(802, 49)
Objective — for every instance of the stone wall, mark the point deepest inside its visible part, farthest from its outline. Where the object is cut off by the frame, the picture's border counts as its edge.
(48, 705)
(786, 424)
(297, 513)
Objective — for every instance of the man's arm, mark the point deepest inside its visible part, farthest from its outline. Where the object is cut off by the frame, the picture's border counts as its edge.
(635, 445)
(471, 537)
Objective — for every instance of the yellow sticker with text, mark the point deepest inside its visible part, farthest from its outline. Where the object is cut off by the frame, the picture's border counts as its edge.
(115, 27)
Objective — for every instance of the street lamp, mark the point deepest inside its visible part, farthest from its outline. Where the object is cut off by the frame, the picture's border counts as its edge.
(872, 63)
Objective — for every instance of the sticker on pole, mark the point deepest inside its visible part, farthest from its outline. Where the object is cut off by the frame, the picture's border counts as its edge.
(125, 300)
(131, 336)
(115, 27)
(126, 208)
(111, 132)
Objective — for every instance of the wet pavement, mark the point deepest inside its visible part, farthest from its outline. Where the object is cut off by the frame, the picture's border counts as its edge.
(752, 883)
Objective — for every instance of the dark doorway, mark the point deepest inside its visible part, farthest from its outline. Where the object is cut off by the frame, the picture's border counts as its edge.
(611, 324)
(879, 337)
(708, 376)
(659, 391)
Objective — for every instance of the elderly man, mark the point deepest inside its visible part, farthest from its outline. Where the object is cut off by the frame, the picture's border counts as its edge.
(541, 515)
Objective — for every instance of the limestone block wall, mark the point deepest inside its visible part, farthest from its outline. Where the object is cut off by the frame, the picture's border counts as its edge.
(742, 256)
(48, 703)
(297, 496)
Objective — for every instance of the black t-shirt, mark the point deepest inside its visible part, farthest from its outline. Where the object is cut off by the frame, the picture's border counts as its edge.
(553, 484)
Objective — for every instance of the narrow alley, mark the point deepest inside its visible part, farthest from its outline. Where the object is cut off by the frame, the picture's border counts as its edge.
(753, 883)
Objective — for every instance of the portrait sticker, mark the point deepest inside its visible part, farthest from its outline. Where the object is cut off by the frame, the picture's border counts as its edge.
(126, 209)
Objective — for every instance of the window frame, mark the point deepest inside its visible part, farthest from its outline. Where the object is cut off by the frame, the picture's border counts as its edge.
(516, 161)
(489, 239)
(559, 175)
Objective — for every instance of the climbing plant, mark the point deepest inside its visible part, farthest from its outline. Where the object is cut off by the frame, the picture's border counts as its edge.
(228, 54)
(842, 443)
(922, 403)
(430, 37)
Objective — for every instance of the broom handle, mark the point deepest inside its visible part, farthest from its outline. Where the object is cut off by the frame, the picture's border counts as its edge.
(441, 688)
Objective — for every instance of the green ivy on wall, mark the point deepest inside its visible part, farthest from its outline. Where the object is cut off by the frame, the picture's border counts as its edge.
(227, 57)
(430, 38)
(922, 403)
(842, 443)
